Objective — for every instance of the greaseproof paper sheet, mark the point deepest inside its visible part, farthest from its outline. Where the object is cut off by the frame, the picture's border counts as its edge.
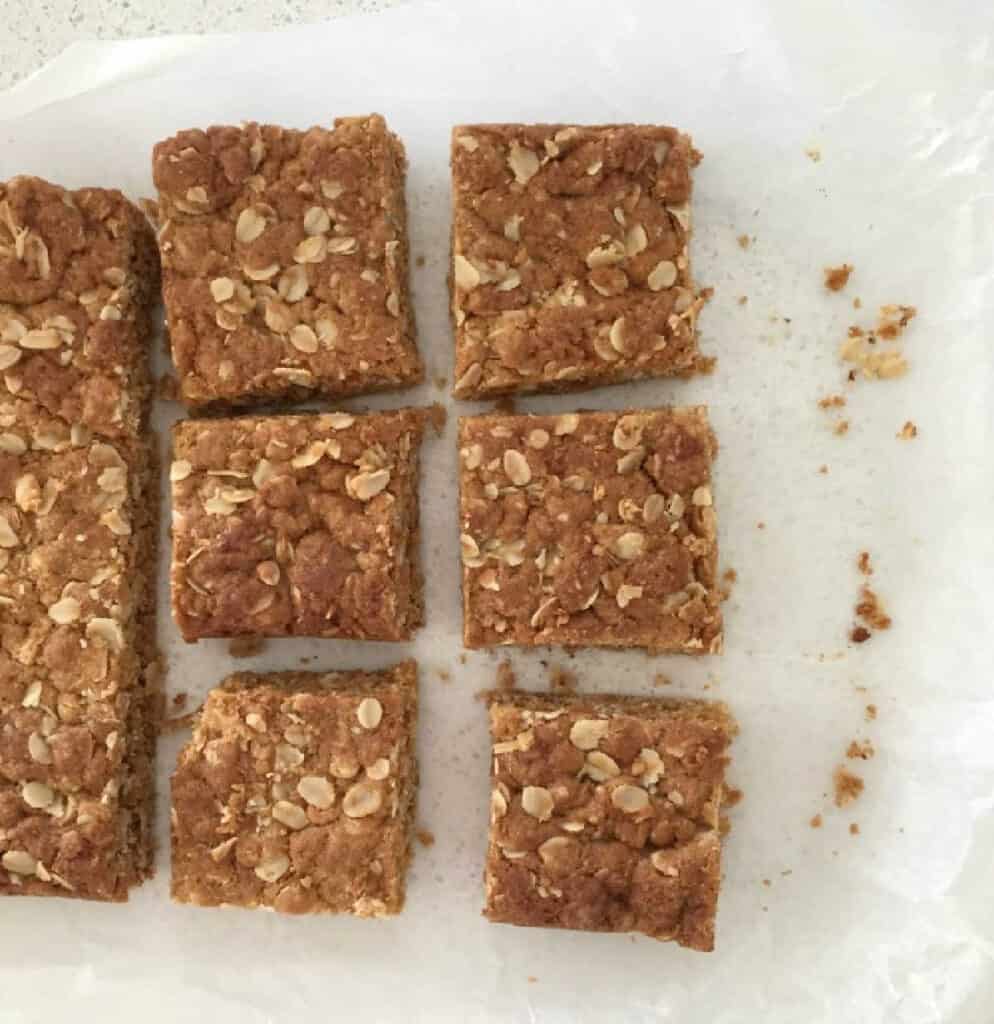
(815, 925)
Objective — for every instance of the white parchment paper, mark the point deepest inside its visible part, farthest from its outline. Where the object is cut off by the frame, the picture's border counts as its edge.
(895, 924)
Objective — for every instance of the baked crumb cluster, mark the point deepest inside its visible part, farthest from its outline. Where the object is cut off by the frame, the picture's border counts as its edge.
(604, 814)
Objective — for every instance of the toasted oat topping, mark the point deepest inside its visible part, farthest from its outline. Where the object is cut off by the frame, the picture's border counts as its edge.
(297, 525)
(570, 256)
(78, 272)
(75, 552)
(602, 534)
(285, 261)
(605, 814)
(306, 811)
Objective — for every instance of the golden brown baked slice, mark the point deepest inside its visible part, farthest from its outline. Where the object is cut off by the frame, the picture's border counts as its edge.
(604, 814)
(297, 792)
(590, 529)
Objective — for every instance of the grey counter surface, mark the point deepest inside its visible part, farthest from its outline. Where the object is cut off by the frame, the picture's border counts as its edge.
(34, 33)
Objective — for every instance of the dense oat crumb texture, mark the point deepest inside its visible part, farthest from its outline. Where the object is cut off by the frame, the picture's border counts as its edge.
(570, 259)
(78, 275)
(297, 793)
(78, 510)
(285, 260)
(590, 529)
(297, 525)
(604, 814)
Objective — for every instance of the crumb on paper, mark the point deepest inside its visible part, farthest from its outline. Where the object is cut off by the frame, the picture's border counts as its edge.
(893, 319)
(704, 366)
(742, 300)
(841, 428)
(661, 679)
(246, 646)
(444, 674)
(823, 469)
(871, 712)
(462, 659)
(815, 822)
(425, 837)
(419, 261)
(168, 726)
(836, 278)
(744, 241)
(861, 346)
(848, 786)
(860, 749)
(437, 415)
(857, 303)
(179, 700)
(562, 679)
(761, 525)
(870, 610)
(305, 659)
(167, 388)
(813, 153)
(532, 979)
(505, 676)
(907, 432)
(832, 402)
(854, 829)
(766, 882)
(505, 405)
(150, 207)
(730, 576)
(441, 382)
(731, 797)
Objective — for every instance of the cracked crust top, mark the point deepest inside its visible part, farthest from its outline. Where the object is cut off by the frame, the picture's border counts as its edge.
(78, 272)
(604, 814)
(285, 261)
(590, 529)
(297, 525)
(297, 793)
(570, 260)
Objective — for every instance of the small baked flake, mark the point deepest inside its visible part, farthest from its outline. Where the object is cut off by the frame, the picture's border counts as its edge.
(604, 814)
(297, 525)
(297, 793)
(285, 259)
(590, 529)
(570, 256)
